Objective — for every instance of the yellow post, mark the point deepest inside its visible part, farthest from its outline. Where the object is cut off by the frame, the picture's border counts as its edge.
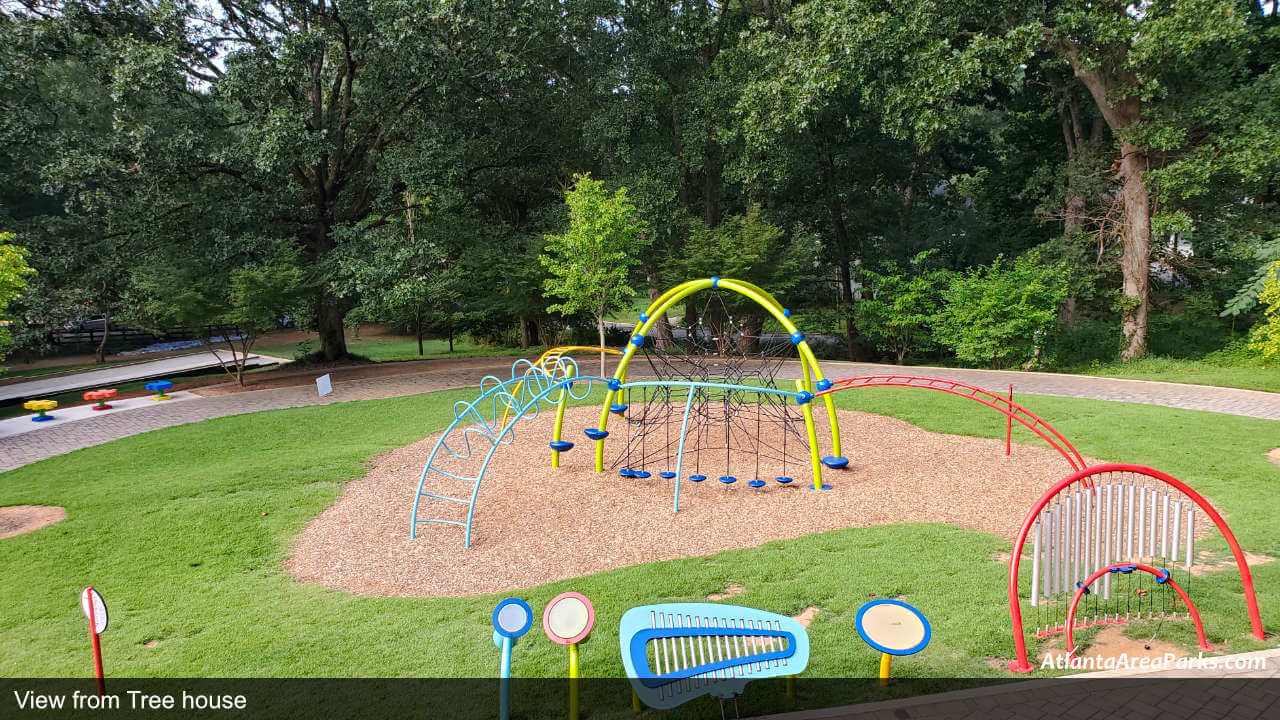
(791, 686)
(814, 459)
(573, 681)
(635, 702)
(884, 669)
(564, 400)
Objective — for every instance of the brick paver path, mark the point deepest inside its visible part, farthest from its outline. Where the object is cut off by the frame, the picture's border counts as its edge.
(29, 447)
(1174, 694)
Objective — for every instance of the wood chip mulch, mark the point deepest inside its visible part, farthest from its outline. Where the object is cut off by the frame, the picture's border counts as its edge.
(535, 525)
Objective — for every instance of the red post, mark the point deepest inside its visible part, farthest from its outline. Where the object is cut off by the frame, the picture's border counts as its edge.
(1008, 426)
(97, 645)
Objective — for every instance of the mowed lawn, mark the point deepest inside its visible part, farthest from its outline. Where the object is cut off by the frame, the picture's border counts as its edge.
(184, 531)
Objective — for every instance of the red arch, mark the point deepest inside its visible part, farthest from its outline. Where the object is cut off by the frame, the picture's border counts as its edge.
(1000, 404)
(1071, 610)
(1020, 662)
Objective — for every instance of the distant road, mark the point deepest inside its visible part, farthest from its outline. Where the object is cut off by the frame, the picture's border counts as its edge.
(120, 374)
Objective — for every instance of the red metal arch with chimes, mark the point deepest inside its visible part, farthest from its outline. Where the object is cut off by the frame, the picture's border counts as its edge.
(1084, 477)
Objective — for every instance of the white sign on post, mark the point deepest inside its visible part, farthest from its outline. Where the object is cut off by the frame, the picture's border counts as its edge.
(99, 615)
(324, 384)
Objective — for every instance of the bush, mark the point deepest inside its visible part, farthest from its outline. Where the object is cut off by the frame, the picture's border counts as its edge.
(1265, 339)
(1086, 342)
(997, 314)
(1194, 331)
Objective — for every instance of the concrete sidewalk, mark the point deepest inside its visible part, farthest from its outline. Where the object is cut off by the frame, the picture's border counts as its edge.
(115, 375)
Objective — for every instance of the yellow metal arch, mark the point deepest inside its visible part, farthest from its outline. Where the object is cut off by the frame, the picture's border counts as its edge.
(812, 373)
(551, 356)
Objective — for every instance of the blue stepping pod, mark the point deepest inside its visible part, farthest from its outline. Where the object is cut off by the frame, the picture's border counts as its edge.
(835, 461)
(756, 483)
(618, 408)
(595, 434)
(561, 445)
(666, 474)
(783, 479)
(697, 478)
(728, 479)
(642, 474)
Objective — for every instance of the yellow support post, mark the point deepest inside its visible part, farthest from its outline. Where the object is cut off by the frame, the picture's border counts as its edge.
(884, 669)
(559, 426)
(814, 456)
(573, 681)
(791, 686)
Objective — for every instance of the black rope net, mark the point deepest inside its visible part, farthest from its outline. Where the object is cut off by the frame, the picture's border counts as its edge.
(739, 433)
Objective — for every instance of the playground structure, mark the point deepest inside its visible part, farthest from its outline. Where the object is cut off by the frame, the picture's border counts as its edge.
(1103, 516)
(100, 397)
(701, 411)
(674, 652)
(41, 409)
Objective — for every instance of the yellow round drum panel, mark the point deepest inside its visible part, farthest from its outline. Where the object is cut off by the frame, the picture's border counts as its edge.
(893, 627)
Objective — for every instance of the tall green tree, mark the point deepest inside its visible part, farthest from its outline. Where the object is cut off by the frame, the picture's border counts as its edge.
(590, 263)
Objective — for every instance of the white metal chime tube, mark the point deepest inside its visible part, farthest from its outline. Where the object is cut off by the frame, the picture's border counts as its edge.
(1129, 530)
(1164, 526)
(1191, 536)
(1035, 565)
(1151, 534)
(1104, 540)
(1177, 535)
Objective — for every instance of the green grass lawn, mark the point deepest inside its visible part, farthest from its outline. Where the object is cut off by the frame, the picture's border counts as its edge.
(184, 530)
(391, 348)
(1249, 376)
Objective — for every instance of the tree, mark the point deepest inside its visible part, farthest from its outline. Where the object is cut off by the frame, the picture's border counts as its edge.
(238, 303)
(14, 272)
(591, 261)
(898, 306)
(1265, 339)
(997, 314)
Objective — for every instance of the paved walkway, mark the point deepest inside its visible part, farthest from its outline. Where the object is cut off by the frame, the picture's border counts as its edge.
(47, 442)
(1209, 693)
(56, 383)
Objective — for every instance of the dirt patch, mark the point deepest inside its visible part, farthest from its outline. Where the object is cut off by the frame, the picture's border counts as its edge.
(20, 519)
(1110, 642)
(1274, 456)
(806, 616)
(1001, 557)
(535, 525)
(733, 589)
(1207, 562)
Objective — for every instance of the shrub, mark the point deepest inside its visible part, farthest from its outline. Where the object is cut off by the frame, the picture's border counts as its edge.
(1265, 339)
(998, 314)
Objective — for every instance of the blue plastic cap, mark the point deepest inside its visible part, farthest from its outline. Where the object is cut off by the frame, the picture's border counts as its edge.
(637, 340)
(797, 337)
(715, 281)
(786, 313)
(1082, 587)
(614, 384)
(804, 397)
(823, 384)
(1163, 577)
(644, 317)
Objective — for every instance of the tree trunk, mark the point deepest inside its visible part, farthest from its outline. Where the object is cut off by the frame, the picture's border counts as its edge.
(417, 328)
(450, 336)
(330, 325)
(101, 353)
(524, 332)
(843, 270)
(1135, 261)
(600, 329)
